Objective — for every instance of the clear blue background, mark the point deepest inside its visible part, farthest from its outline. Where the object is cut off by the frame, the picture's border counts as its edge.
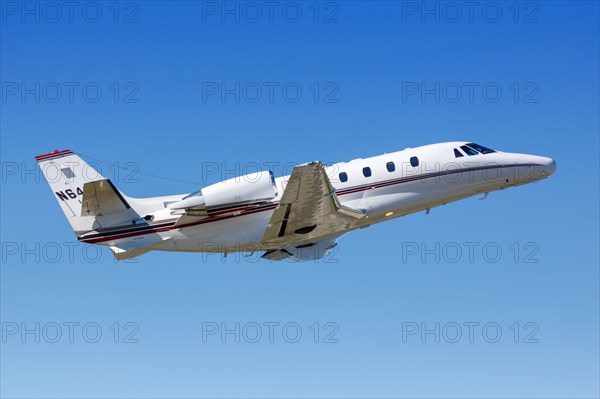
(366, 287)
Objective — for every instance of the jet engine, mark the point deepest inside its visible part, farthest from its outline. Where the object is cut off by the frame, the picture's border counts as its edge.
(247, 189)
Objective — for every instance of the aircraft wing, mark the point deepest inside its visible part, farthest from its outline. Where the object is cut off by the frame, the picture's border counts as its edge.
(312, 251)
(308, 210)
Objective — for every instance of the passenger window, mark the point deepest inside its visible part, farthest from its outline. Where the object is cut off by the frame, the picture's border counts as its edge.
(414, 161)
(390, 166)
(457, 153)
(468, 150)
(343, 177)
(367, 172)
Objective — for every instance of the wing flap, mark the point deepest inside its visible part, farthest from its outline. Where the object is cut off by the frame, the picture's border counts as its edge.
(313, 251)
(277, 254)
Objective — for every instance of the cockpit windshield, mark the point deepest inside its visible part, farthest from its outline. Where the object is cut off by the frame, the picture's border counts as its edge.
(480, 148)
(468, 150)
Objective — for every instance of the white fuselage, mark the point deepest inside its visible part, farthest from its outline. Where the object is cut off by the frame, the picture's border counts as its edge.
(393, 188)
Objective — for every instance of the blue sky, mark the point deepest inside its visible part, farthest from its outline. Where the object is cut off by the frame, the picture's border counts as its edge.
(164, 92)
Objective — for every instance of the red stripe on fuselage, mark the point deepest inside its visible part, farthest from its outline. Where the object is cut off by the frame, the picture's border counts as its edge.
(274, 205)
(427, 176)
(173, 227)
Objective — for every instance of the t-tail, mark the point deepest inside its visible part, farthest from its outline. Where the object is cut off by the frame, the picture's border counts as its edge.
(91, 202)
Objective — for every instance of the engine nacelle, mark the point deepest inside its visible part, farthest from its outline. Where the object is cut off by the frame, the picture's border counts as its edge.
(254, 187)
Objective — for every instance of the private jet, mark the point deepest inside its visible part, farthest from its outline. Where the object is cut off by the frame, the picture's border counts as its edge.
(298, 217)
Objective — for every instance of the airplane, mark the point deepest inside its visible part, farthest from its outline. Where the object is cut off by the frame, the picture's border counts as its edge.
(298, 217)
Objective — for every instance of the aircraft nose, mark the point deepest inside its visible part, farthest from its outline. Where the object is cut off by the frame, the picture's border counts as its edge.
(549, 166)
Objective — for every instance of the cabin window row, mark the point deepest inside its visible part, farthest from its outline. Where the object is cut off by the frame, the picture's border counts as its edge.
(390, 166)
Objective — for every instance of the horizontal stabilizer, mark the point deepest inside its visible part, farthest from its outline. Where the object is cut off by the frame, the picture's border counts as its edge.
(136, 246)
(101, 198)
